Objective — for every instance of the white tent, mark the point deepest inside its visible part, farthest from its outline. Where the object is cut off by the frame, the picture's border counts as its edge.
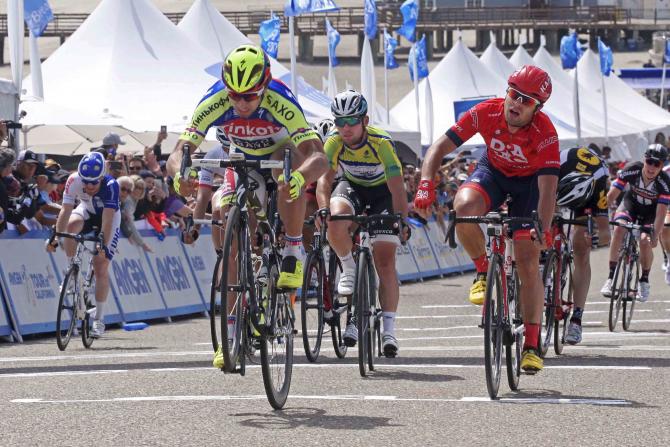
(128, 61)
(520, 57)
(496, 61)
(621, 97)
(213, 32)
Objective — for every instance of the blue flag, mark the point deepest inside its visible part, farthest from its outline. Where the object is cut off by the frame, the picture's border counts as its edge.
(37, 14)
(370, 19)
(269, 33)
(333, 41)
(606, 58)
(571, 51)
(666, 57)
(419, 52)
(390, 45)
(410, 14)
(297, 7)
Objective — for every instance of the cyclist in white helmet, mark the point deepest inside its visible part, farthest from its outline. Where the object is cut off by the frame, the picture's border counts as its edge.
(98, 195)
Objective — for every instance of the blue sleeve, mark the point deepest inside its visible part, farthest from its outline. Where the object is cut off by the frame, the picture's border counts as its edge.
(112, 195)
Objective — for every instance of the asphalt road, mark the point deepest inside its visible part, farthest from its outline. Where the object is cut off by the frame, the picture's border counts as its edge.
(156, 387)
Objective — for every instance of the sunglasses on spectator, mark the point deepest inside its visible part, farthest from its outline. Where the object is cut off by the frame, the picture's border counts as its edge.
(90, 182)
(134, 168)
(653, 162)
(246, 97)
(348, 120)
(128, 190)
(516, 95)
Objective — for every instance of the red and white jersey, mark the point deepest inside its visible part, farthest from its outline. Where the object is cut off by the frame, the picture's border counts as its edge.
(530, 150)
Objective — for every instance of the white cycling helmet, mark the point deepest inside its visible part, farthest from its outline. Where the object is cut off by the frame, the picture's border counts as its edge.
(323, 128)
(222, 137)
(348, 103)
(575, 189)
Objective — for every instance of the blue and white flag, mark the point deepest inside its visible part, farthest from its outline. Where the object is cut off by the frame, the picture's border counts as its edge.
(390, 45)
(606, 58)
(666, 56)
(571, 51)
(37, 14)
(370, 19)
(333, 41)
(297, 7)
(410, 14)
(269, 32)
(419, 51)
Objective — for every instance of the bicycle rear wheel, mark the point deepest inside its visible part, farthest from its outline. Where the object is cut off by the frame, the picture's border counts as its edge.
(277, 345)
(374, 329)
(551, 283)
(631, 292)
(87, 322)
(493, 328)
(561, 325)
(514, 340)
(311, 305)
(234, 240)
(215, 304)
(362, 312)
(618, 291)
(66, 317)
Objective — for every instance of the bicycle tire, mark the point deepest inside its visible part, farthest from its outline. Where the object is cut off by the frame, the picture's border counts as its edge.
(374, 338)
(340, 309)
(493, 335)
(567, 301)
(214, 294)
(86, 338)
(629, 304)
(311, 305)
(617, 293)
(231, 350)
(515, 340)
(362, 311)
(65, 327)
(277, 369)
(550, 284)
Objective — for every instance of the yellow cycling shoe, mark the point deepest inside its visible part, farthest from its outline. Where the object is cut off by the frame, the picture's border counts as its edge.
(531, 362)
(218, 359)
(290, 276)
(478, 291)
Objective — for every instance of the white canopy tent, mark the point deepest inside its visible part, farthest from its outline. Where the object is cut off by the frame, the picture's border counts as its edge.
(213, 32)
(520, 57)
(126, 62)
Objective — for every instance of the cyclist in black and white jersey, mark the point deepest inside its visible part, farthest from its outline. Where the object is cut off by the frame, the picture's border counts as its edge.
(645, 202)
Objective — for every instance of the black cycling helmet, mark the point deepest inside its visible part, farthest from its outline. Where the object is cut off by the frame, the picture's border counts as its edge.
(657, 152)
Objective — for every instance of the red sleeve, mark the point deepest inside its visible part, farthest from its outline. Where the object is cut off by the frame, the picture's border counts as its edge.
(469, 124)
(548, 149)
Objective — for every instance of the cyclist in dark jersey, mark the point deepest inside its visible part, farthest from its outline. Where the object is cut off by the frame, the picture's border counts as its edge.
(582, 188)
(645, 202)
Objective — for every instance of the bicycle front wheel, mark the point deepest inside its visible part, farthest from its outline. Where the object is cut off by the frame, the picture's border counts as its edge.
(216, 304)
(311, 305)
(493, 327)
(338, 304)
(514, 338)
(552, 296)
(66, 318)
(277, 345)
(362, 312)
(233, 294)
(633, 281)
(618, 291)
(561, 325)
(87, 322)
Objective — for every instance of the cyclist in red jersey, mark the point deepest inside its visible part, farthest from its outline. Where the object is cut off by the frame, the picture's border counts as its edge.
(522, 160)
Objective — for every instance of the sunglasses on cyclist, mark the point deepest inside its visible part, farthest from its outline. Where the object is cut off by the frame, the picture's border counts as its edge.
(348, 120)
(653, 162)
(516, 95)
(246, 97)
(90, 182)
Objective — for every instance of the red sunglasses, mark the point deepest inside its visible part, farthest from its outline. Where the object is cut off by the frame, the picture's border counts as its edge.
(246, 97)
(516, 95)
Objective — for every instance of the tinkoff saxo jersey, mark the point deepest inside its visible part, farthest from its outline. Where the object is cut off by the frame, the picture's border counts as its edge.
(278, 120)
(370, 164)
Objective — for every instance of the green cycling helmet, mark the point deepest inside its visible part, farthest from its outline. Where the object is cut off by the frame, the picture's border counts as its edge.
(246, 69)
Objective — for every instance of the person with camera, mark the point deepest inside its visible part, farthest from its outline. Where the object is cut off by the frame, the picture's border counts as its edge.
(98, 210)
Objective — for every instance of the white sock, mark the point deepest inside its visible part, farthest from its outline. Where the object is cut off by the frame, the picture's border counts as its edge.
(99, 313)
(348, 263)
(294, 247)
(389, 322)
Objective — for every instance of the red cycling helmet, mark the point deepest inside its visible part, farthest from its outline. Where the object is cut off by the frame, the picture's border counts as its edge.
(532, 81)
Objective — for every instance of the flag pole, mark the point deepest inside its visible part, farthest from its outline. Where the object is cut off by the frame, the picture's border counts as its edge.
(415, 67)
(602, 83)
(665, 50)
(578, 123)
(291, 33)
(386, 82)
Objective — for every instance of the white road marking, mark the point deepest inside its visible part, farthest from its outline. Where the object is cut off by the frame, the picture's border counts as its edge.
(469, 399)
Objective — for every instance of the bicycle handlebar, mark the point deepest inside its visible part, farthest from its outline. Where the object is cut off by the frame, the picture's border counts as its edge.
(494, 218)
(632, 227)
(238, 162)
(366, 221)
